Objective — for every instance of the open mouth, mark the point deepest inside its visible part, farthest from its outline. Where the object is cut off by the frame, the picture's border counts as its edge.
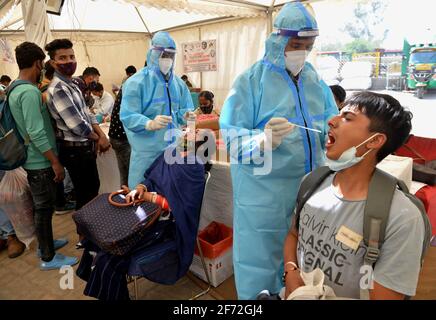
(331, 139)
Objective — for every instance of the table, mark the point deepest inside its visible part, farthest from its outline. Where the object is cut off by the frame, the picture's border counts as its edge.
(218, 197)
(400, 167)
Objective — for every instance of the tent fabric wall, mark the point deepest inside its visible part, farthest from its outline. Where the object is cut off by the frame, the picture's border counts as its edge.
(240, 44)
(203, 7)
(36, 25)
(182, 36)
(110, 53)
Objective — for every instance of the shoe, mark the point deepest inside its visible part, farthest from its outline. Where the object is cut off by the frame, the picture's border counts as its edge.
(57, 243)
(69, 207)
(3, 244)
(15, 247)
(57, 262)
(79, 245)
(70, 197)
(266, 295)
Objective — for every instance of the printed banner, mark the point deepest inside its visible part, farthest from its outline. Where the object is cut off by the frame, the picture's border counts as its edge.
(199, 56)
(6, 54)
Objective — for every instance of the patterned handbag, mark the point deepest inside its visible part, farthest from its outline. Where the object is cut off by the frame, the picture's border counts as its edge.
(112, 224)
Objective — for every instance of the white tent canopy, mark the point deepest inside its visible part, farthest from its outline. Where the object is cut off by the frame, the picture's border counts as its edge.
(112, 34)
(158, 15)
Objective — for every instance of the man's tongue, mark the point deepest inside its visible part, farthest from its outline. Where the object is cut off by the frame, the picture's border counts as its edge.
(331, 139)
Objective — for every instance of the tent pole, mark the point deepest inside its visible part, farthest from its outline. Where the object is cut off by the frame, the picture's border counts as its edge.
(270, 17)
(201, 73)
(201, 23)
(11, 23)
(239, 3)
(143, 22)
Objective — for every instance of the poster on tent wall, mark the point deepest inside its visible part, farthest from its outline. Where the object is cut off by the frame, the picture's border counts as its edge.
(199, 56)
(6, 54)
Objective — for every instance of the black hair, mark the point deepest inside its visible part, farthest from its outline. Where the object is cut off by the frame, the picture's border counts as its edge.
(56, 45)
(49, 70)
(207, 95)
(130, 70)
(339, 93)
(97, 86)
(386, 116)
(5, 78)
(184, 77)
(27, 53)
(90, 71)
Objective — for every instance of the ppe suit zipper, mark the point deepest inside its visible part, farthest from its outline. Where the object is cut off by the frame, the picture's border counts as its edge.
(305, 124)
(169, 98)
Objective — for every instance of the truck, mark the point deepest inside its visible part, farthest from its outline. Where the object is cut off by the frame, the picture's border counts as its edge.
(419, 67)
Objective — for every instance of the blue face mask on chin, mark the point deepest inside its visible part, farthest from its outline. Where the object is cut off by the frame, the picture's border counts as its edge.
(348, 158)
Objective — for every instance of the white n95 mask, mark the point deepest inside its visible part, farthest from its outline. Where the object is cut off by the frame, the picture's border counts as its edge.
(348, 158)
(165, 65)
(294, 60)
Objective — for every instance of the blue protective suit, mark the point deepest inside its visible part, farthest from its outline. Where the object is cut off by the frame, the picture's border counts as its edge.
(263, 204)
(146, 94)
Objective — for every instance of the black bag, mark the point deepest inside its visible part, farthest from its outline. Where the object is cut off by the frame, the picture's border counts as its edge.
(425, 173)
(114, 229)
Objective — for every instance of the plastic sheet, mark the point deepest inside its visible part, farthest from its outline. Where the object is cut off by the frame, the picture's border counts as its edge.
(356, 69)
(16, 201)
(363, 83)
(218, 197)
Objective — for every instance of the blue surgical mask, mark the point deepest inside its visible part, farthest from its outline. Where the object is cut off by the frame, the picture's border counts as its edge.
(348, 158)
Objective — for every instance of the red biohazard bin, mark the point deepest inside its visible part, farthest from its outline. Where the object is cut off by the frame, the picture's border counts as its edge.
(216, 242)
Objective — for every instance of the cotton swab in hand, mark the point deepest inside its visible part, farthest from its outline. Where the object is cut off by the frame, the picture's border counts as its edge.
(316, 130)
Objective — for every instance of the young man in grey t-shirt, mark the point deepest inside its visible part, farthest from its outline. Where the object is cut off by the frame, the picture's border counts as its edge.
(370, 127)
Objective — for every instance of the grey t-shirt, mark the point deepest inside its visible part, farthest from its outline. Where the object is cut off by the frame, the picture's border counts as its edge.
(326, 212)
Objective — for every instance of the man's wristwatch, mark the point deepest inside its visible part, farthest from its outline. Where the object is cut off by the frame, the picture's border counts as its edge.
(289, 266)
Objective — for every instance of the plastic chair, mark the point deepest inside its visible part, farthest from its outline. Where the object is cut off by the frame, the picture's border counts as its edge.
(202, 293)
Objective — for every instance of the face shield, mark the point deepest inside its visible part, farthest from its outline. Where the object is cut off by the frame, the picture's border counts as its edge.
(296, 58)
(303, 33)
(166, 59)
(166, 53)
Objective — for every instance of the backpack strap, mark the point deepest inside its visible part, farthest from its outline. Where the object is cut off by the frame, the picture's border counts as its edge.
(15, 84)
(376, 214)
(427, 225)
(9, 90)
(5, 103)
(308, 186)
(377, 208)
(378, 205)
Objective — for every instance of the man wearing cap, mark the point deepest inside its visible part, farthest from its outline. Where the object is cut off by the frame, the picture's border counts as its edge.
(264, 104)
(154, 99)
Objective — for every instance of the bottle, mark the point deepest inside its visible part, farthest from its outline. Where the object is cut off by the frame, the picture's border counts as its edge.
(191, 132)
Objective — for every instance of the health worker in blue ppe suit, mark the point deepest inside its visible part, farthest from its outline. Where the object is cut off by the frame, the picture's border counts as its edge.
(276, 93)
(154, 100)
